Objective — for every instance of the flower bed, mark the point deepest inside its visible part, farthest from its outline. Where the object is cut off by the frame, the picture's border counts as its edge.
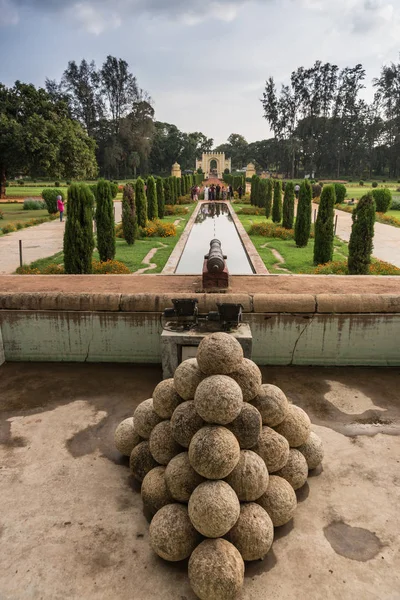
(11, 227)
(110, 267)
(378, 267)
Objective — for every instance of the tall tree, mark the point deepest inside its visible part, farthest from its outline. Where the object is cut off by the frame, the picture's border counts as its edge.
(105, 224)
(362, 234)
(288, 206)
(323, 246)
(129, 220)
(302, 228)
(277, 205)
(141, 203)
(78, 235)
(120, 88)
(268, 200)
(152, 206)
(160, 197)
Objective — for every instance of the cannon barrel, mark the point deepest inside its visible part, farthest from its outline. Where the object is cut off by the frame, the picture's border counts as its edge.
(215, 258)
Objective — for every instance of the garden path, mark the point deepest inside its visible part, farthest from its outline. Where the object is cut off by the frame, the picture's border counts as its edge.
(37, 242)
(386, 239)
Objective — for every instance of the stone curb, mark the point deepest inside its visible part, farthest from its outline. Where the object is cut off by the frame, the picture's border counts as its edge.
(279, 303)
(358, 303)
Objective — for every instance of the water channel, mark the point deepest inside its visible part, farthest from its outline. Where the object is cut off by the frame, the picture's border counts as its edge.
(214, 221)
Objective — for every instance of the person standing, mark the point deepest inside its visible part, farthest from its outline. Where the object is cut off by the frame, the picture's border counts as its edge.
(206, 192)
(218, 191)
(60, 207)
(224, 193)
(240, 192)
(230, 192)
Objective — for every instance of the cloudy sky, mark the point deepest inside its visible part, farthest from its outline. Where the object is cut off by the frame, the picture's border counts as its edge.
(204, 62)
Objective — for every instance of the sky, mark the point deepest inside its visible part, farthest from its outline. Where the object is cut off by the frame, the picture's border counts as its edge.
(204, 62)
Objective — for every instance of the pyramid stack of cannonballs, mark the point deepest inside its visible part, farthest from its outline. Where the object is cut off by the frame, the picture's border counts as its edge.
(219, 456)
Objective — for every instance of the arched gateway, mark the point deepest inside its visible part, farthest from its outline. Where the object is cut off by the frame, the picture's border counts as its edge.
(222, 163)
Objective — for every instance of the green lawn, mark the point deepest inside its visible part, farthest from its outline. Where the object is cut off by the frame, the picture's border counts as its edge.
(15, 212)
(132, 256)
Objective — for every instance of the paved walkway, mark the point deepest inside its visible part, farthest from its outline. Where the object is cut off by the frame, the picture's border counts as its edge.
(386, 239)
(37, 242)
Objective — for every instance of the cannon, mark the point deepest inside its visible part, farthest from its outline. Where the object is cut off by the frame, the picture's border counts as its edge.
(215, 258)
(215, 270)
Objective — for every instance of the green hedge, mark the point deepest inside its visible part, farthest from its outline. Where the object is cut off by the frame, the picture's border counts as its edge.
(383, 199)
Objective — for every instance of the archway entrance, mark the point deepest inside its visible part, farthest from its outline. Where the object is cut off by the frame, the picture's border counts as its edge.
(213, 164)
(213, 168)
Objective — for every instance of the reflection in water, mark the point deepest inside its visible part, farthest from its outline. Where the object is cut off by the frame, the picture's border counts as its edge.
(214, 221)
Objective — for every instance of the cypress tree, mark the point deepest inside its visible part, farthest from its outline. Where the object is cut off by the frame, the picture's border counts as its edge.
(302, 228)
(262, 193)
(362, 234)
(167, 191)
(288, 206)
(160, 197)
(152, 206)
(253, 184)
(173, 189)
(177, 191)
(277, 205)
(129, 220)
(78, 234)
(141, 203)
(184, 185)
(323, 246)
(105, 223)
(255, 192)
(268, 200)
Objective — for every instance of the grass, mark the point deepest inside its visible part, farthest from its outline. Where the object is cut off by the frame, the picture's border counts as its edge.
(132, 256)
(15, 212)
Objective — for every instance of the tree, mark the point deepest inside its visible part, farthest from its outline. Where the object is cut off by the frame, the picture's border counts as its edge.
(120, 88)
(129, 220)
(141, 203)
(160, 197)
(262, 193)
(105, 224)
(39, 137)
(252, 191)
(78, 235)
(277, 205)
(362, 234)
(167, 191)
(255, 188)
(323, 246)
(152, 206)
(288, 206)
(302, 228)
(268, 200)
(171, 180)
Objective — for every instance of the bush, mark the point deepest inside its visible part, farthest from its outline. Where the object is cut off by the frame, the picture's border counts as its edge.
(323, 247)
(57, 184)
(68, 182)
(288, 206)
(129, 220)
(93, 189)
(1, 214)
(21, 182)
(141, 203)
(340, 192)
(361, 183)
(395, 205)
(30, 204)
(158, 229)
(268, 198)
(253, 190)
(114, 189)
(49, 195)
(167, 191)
(152, 206)
(339, 267)
(316, 191)
(387, 219)
(78, 234)
(109, 267)
(185, 199)
(362, 233)
(251, 210)
(105, 223)
(268, 229)
(374, 184)
(171, 210)
(303, 219)
(277, 205)
(160, 196)
(383, 199)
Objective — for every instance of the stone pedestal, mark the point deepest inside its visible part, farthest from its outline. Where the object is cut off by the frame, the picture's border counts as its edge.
(176, 170)
(250, 171)
(215, 280)
(177, 346)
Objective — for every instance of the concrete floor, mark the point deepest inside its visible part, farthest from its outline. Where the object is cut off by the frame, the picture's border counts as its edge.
(71, 520)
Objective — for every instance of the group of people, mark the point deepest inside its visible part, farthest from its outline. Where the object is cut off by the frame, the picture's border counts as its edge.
(217, 192)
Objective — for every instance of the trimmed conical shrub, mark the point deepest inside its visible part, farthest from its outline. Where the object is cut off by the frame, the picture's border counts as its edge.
(323, 246)
(362, 234)
(252, 191)
(152, 206)
(177, 188)
(160, 197)
(288, 206)
(256, 186)
(78, 235)
(105, 223)
(129, 220)
(172, 188)
(302, 228)
(268, 199)
(262, 193)
(167, 191)
(277, 205)
(141, 203)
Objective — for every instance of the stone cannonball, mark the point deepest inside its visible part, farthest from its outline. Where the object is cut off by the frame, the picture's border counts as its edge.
(145, 419)
(296, 427)
(185, 422)
(247, 426)
(279, 500)
(218, 399)
(273, 449)
(141, 461)
(155, 493)
(253, 532)
(250, 477)
(272, 404)
(249, 378)
(216, 570)
(166, 399)
(125, 437)
(313, 451)
(163, 446)
(214, 508)
(172, 535)
(219, 354)
(187, 377)
(296, 470)
(214, 452)
(181, 478)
